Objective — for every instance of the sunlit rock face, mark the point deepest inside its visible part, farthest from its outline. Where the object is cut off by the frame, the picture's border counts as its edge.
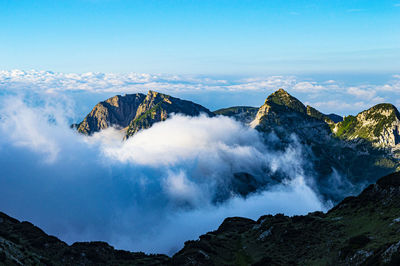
(116, 111)
(158, 107)
(379, 125)
(133, 112)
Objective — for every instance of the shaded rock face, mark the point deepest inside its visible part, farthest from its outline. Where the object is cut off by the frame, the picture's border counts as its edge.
(363, 230)
(335, 118)
(158, 107)
(244, 114)
(22, 243)
(134, 112)
(379, 125)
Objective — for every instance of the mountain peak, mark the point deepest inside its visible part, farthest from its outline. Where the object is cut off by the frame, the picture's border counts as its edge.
(379, 124)
(283, 98)
(153, 94)
(384, 108)
(133, 112)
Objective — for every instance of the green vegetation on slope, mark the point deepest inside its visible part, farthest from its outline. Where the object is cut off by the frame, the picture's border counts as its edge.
(362, 230)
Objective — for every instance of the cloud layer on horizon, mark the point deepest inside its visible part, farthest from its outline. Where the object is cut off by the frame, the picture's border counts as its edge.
(328, 95)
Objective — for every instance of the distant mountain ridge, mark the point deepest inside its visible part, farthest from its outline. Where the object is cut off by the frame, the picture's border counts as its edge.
(342, 156)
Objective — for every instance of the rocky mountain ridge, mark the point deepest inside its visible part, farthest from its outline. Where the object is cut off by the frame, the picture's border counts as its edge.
(244, 114)
(134, 112)
(379, 125)
(361, 230)
(338, 155)
(22, 243)
(351, 161)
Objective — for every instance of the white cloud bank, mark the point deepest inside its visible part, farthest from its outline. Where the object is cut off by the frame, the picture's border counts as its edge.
(255, 89)
(151, 193)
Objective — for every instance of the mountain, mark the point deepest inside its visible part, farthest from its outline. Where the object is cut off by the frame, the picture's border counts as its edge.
(22, 243)
(333, 155)
(157, 107)
(362, 230)
(116, 111)
(335, 118)
(283, 112)
(133, 112)
(380, 125)
(338, 164)
(244, 114)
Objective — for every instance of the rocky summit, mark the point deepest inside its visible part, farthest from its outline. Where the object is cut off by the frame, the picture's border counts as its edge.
(133, 112)
(283, 110)
(361, 230)
(379, 125)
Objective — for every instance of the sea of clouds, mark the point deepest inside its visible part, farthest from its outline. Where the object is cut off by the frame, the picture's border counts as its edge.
(150, 193)
(157, 189)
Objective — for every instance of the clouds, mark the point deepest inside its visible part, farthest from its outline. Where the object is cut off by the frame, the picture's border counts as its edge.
(143, 194)
(213, 92)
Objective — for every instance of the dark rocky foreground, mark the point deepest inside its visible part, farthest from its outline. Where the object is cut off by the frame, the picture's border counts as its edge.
(362, 230)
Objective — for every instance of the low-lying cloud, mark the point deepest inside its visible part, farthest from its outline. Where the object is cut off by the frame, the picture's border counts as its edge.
(161, 187)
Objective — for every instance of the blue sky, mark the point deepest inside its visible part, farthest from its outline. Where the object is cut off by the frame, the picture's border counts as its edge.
(201, 37)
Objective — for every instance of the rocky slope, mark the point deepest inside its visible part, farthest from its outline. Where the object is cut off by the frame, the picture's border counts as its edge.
(282, 111)
(22, 243)
(116, 111)
(379, 125)
(244, 114)
(133, 112)
(335, 161)
(157, 107)
(363, 230)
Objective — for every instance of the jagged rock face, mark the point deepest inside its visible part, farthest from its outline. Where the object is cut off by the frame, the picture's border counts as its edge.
(116, 111)
(134, 112)
(361, 230)
(157, 107)
(244, 114)
(379, 125)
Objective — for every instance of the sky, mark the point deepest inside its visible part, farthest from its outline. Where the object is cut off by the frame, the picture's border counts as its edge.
(225, 37)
